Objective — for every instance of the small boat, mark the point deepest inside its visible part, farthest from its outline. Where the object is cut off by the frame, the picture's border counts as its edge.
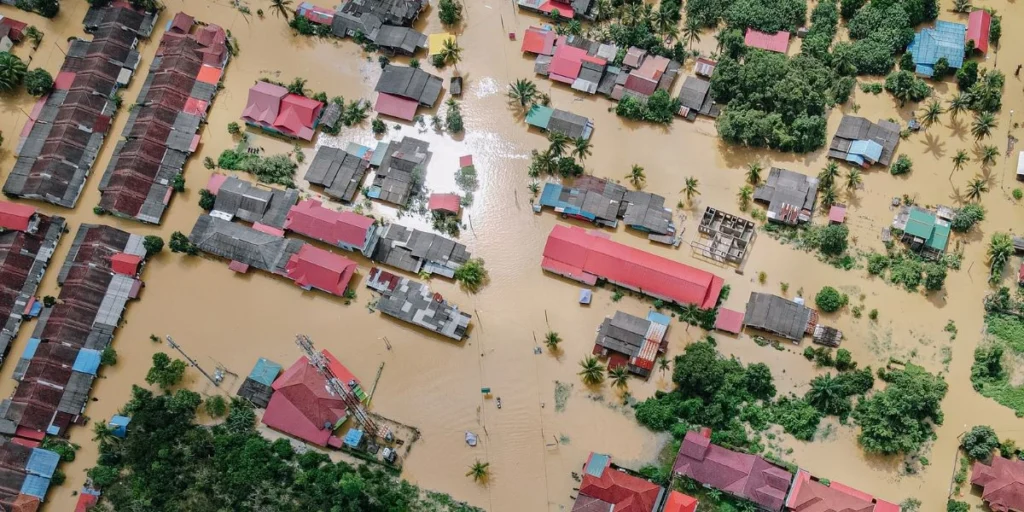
(499, 402)
(456, 86)
(471, 438)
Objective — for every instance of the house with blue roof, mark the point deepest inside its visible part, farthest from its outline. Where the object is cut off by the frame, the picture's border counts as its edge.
(946, 40)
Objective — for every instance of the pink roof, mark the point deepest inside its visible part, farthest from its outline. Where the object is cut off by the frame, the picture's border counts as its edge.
(837, 214)
(339, 370)
(447, 202)
(124, 263)
(626, 493)
(978, 25)
(211, 35)
(396, 106)
(641, 84)
(270, 230)
(810, 495)
(567, 61)
(465, 160)
(298, 116)
(64, 80)
(263, 103)
(301, 405)
(582, 253)
(679, 502)
(748, 476)
(216, 180)
(320, 269)
(777, 42)
(195, 106)
(729, 321)
(238, 266)
(653, 67)
(316, 14)
(311, 219)
(1002, 483)
(564, 10)
(209, 74)
(182, 23)
(538, 40)
(15, 216)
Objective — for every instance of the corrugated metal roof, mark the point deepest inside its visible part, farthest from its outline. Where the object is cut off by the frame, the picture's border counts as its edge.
(88, 361)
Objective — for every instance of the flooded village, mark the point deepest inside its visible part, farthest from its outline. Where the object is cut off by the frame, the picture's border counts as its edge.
(511, 260)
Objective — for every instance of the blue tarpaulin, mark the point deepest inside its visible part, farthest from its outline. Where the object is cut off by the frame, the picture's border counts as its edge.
(42, 462)
(119, 424)
(353, 437)
(37, 307)
(585, 296)
(88, 361)
(35, 486)
(30, 348)
(597, 463)
(658, 318)
(265, 371)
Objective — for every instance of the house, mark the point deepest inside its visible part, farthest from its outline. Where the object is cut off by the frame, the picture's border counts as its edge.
(339, 172)
(181, 23)
(416, 251)
(272, 108)
(344, 229)
(27, 473)
(789, 196)
(809, 494)
(559, 121)
(945, 41)
(538, 41)
(414, 303)
(729, 321)
(606, 487)
(248, 246)
(312, 267)
(598, 201)
(303, 407)
(410, 84)
(647, 212)
(779, 316)
(16, 216)
(400, 40)
(252, 203)
(394, 12)
(256, 388)
(864, 143)
(587, 257)
(704, 67)
(725, 237)
(315, 14)
(750, 477)
(926, 231)
(655, 72)
(445, 203)
(631, 341)
(566, 8)
(777, 42)
(695, 98)
(1000, 483)
(401, 171)
(837, 214)
(978, 25)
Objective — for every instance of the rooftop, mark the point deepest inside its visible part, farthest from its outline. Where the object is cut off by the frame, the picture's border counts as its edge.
(416, 251)
(811, 495)
(413, 302)
(790, 196)
(779, 316)
(631, 341)
(853, 130)
(339, 228)
(244, 244)
(339, 172)
(411, 83)
(945, 41)
(978, 25)
(252, 203)
(302, 407)
(312, 267)
(777, 42)
(605, 488)
(1001, 482)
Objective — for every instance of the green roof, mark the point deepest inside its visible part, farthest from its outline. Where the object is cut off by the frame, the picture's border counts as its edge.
(921, 223)
(939, 238)
(539, 116)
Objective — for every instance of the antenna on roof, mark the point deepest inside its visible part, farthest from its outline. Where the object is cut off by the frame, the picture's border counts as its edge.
(335, 386)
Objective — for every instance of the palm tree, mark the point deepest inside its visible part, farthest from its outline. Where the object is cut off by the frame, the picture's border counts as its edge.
(619, 376)
(592, 371)
(632, 14)
(853, 179)
(828, 195)
(12, 71)
(479, 471)
(451, 53)
(744, 195)
(102, 433)
(1000, 248)
(983, 125)
(828, 395)
(574, 28)
(828, 174)
(988, 155)
(546, 161)
(552, 339)
(958, 104)
(636, 176)
(975, 188)
(558, 142)
(660, 22)
(931, 113)
(581, 148)
(522, 91)
(962, 6)
(754, 173)
(663, 364)
(281, 7)
(959, 159)
(691, 32)
(690, 189)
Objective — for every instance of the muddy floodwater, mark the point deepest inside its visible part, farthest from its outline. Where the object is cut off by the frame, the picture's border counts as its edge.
(223, 318)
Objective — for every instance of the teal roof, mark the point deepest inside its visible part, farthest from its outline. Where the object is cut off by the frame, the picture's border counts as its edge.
(265, 371)
(597, 463)
(921, 223)
(539, 116)
(939, 238)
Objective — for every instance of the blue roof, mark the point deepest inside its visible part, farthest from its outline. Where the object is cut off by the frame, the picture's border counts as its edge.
(931, 44)
(30, 348)
(37, 307)
(353, 437)
(35, 486)
(42, 462)
(868, 149)
(585, 296)
(53, 430)
(88, 361)
(549, 196)
(658, 318)
(120, 425)
(265, 371)
(597, 463)
(850, 157)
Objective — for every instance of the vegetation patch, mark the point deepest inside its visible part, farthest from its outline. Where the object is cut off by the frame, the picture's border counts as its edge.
(992, 373)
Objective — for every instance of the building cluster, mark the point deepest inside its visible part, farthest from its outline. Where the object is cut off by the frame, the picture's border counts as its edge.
(864, 143)
(387, 24)
(547, 119)
(401, 90)
(399, 170)
(1001, 481)
(633, 342)
(26, 473)
(413, 302)
(65, 130)
(568, 9)
(271, 108)
(163, 128)
(785, 318)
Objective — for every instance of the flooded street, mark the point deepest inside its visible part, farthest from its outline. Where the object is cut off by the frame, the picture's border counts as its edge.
(220, 317)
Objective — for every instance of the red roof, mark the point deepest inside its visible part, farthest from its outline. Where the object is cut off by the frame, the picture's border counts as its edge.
(626, 493)
(216, 180)
(298, 116)
(64, 80)
(978, 25)
(564, 10)
(777, 42)
(747, 476)
(301, 405)
(679, 502)
(396, 106)
(264, 102)
(85, 502)
(810, 495)
(209, 74)
(465, 160)
(182, 23)
(538, 40)
(15, 216)
(729, 321)
(837, 214)
(446, 202)
(583, 256)
(339, 370)
(320, 269)
(316, 14)
(641, 84)
(567, 61)
(17, 28)
(1020, 274)
(124, 263)
(311, 219)
(270, 230)
(1002, 483)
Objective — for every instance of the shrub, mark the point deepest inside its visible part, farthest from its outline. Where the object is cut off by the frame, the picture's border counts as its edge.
(967, 75)
(108, 357)
(833, 239)
(934, 276)
(957, 506)
(180, 243)
(49, 301)
(449, 12)
(966, 217)
(809, 353)
(178, 183)
(873, 314)
(902, 165)
(877, 263)
(216, 406)
(206, 199)
(38, 82)
(472, 274)
(12, 71)
(153, 245)
(234, 128)
(829, 299)
(844, 361)
(378, 126)
(1018, 194)
(165, 372)
(980, 442)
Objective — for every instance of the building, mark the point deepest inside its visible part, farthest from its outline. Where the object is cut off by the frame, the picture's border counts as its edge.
(926, 231)
(244, 246)
(779, 316)
(416, 251)
(401, 171)
(340, 173)
(750, 477)
(538, 41)
(385, 23)
(257, 387)
(26, 473)
(445, 203)
(704, 67)
(163, 128)
(11, 32)
(777, 42)
(605, 487)
(125, 19)
(646, 212)
(402, 13)
(270, 107)
(400, 86)
(603, 202)
(566, 8)
(945, 41)
(978, 25)
(588, 257)
(304, 408)
(789, 196)
(315, 14)
(347, 230)
(413, 302)
(252, 203)
(1000, 483)
(312, 267)
(61, 139)
(553, 120)
(631, 341)
(695, 98)
(809, 494)
(864, 143)
(725, 237)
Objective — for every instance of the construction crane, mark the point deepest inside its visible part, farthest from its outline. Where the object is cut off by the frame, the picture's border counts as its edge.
(336, 387)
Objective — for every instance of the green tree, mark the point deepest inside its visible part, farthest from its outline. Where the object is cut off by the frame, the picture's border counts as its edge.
(828, 175)
(754, 173)
(904, 86)
(108, 357)
(298, 86)
(853, 179)
(522, 91)
(829, 396)
(206, 199)
(552, 339)
(745, 194)
(581, 148)
(153, 245)
(479, 471)
(691, 32)
(959, 104)
(967, 76)
(931, 113)
(828, 195)
(759, 382)
(12, 72)
(178, 183)
(636, 176)
(165, 372)
(216, 406)
(591, 371)
(472, 274)
(619, 377)
(902, 165)
(899, 418)
(38, 82)
(833, 239)
(1000, 249)
(234, 128)
(449, 12)
(980, 442)
(281, 8)
(829, 299)
(558, 143)
(691, 188)
(966, 217)
(451, 52)
(975, 188)
(663, 364)
(180, 243)
(983, 125)
(959, 159)
(988, 155)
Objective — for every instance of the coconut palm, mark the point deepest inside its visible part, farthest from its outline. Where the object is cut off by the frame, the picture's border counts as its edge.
(479, 471)
(828, 174)
(959, 104)
(983, 125)
(988, 155)
(522, 91)
(533, 187)
(581, 148)
(754, 173)
(962, 6)
(975, 188)
(102, 433)
(959, 159)
(828, 395)
(744, 195)
(636, 176)
(592, 372)
(663, 364)
(619, 376)
(690, 189)
(828, 195)
(12, 71)
(574, 28)
(689, 315)
(558, 144)
(1000, 248)
(853, 179)
(632, 14)
(691, 32)
(451, 52)
(660, 21)
(552, 339)
(931, 113)
(546, 162)
(281, 7)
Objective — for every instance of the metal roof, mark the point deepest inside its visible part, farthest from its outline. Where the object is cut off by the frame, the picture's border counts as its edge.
(777, 315)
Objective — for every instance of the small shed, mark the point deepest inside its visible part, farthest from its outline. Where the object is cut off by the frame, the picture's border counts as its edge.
(450, 203)
(586, 295)
(124, 263)
(978, 25)
(15, 216)
(837, 214)
(119, 425)
(465, 160)
(353, 438)
(729, 321)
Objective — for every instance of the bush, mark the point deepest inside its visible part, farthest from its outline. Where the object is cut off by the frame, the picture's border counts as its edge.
(833, 239)
(797, 417)
(877, 263)
(905, 86)
(216, 406)
(378, 126)
(934, 276)
(809, 353)
(941, 69)
(472, 274)
(1018, 194)
(957, 506)
(659, 108)
(49, 301)
(449, 12)
(902, 165)
(178, 183)
(844, 360)
(12, 72)
(153, 245)
(38, 82)
(234, 128)
(108, 357)
(206, 199)
(967, 75)
(165, 372)
(829, 299)
(180, 243)
(980, 442)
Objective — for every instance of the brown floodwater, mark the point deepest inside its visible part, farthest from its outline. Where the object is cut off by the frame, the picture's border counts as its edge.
(220, 317)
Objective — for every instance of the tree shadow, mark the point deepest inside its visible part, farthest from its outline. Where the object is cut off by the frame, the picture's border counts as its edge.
(958, 128)
(934, 145)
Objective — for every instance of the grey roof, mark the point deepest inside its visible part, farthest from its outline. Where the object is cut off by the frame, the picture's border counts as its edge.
(790, 195)
(400, 39)
(851, 128)
(778, 316)
(243, 244)
(413, 302)
(331, 115)
(694, 92)
(239, 198)
(256, 392)
(412, 83)
(413, 250)
(569, 124)
(340, 173)
(623, 333)
(402, 166)
(542, 65)
(346, 24)
(647, 212)
(396, 12)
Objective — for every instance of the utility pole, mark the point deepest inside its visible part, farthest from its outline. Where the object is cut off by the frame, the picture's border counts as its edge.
(175, 346)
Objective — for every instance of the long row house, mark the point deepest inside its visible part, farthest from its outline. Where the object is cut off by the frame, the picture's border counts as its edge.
(65, 130)
(163, 128)
(385, 23)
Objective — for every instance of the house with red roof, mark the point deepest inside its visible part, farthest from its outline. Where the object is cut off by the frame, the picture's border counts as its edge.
(566, 63)
(450, 203)
(809, 494)
(777, 42)
(344, 229)
(745, 476)
(606, 488)
(16, 216)
(587, 257)
(312, 267)
(315, 13)
(1001, 482)
(125, 264)
(978, 25)
(272, 108)
(302, 407)
(679, 502)
(539, 41)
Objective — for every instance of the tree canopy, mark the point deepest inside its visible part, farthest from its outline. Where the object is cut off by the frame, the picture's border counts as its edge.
(900, 418)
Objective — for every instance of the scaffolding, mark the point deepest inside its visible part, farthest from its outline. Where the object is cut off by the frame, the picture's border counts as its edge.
(335, 386)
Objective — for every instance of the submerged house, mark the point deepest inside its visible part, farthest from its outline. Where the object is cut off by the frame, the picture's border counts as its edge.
(1000, 483)
(538, 41)
(312, 267)
(606, 487)
(27, 473)
(401, 171)
(413, 302)
(777, 42)
(631, 341)
(864, 143)
(926, 231)
(416, 251)
(553, 120)
(339, 172)
(347, 230)
(603, 202)
(402, 89)
(256, 387)
(979, 24)
(779, 316)
(244, 246)
(303, 407)
(945, 41)
(789, 196)
(270, 107)
(695, 98)
(810, 494)
(249, 202)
